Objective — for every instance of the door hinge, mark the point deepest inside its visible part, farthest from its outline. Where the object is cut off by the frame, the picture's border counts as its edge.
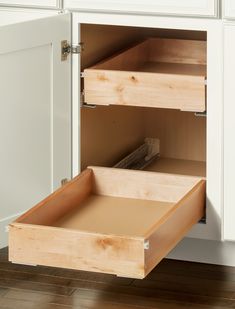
(67, 49)
(64, 181)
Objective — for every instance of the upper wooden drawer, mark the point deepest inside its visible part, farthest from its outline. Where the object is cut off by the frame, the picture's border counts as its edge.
(229, 9)
(109, 220)
(167, 7)
(32, 3)
(162, 73)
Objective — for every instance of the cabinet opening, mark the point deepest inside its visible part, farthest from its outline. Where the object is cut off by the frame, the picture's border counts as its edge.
(122, 133)
(111, 133)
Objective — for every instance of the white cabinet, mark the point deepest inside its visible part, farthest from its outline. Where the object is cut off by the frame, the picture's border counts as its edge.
(229, 9)
(35, 111)
(229, 129)
(166, 7)
(32, 3)
(36, 116)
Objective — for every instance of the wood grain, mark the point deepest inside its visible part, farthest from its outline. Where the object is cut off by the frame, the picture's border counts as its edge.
(137, 77)
(177, 166)
(141, 184)
(109, 245)
(109, 133)
(173, 91)
(187, 212)
(182, 135)
(60, 202)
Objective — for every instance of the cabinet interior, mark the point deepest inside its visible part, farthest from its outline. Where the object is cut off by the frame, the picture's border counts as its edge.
(109, 133)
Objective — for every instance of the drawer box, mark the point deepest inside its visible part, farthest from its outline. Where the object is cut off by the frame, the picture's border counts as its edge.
(109, 220)
(32, 3)
(163, 73)
(166, 7)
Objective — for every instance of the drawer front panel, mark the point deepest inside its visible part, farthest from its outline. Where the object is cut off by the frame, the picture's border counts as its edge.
(32, 3)
(165, 207)
(167, 7)
(229, 9)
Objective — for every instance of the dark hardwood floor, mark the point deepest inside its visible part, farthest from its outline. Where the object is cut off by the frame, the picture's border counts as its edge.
(172, 285)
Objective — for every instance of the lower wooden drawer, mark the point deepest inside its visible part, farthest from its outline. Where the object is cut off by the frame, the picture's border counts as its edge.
(109, 220)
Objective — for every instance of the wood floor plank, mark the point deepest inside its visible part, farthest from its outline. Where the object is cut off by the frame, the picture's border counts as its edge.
(196, 288)
(41, 287)
(213, 285)
(3, 291)
(43, 300)
(161, 295)
(65, 273)
(93, 299)
(195, 270)
(150, 302)
(7, 303)
(48, 279)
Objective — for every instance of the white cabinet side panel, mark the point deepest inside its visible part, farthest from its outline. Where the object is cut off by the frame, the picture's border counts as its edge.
(229, 130)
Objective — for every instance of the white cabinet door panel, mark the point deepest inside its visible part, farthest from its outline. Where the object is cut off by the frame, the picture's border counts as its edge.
(32, 3)
(229, 130)
(229, 8)
(10, 16)
(175, 7)
(35, 113)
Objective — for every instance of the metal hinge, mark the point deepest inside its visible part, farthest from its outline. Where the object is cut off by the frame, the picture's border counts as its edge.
(67, 49)
(64, 181)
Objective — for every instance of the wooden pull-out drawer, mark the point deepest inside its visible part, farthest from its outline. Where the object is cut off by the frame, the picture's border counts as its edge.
(163, 73)
(109, 220)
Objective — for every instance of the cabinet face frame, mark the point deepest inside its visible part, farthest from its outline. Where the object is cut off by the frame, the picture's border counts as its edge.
(229, 147)
(214, 28)
(207, 8)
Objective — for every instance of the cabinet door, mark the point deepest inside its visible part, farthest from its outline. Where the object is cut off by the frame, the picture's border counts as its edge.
(229, 8)
(32, 3)
(229, 130)
(166, 7)
(35, 112)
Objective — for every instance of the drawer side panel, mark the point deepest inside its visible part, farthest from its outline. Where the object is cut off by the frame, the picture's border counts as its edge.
(188, 212)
